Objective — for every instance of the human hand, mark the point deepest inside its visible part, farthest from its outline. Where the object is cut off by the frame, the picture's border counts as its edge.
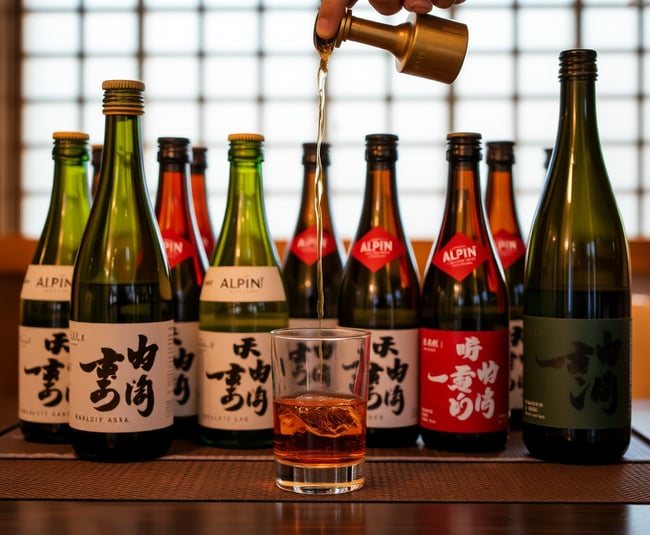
(331, 12)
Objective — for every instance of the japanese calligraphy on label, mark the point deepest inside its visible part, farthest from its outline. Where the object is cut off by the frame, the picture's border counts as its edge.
(43, 374)
(228, 284)
(47, 283)
(516, 363)
(305, 245)
(236, 384)
(577, 372)
(393, 398)
(464, 380)
(185, 358)
(121, 376)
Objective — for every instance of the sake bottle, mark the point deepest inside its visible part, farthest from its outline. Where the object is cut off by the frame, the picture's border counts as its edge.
(301, 262)
(577, 301)
(464, 334)
(380, 292)
(506, 232)
(200, 198)
(187, 264)
(243, 298)
(121, 328)
(43, 350)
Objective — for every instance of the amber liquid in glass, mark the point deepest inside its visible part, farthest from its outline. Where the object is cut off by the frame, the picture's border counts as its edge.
(320, 430)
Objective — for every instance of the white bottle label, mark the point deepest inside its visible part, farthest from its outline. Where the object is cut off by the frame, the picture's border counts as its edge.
(121, 376)
(47, 283)
(393, 398)
(43, 358)
(235, 381)
(231, 284)
(186, 356)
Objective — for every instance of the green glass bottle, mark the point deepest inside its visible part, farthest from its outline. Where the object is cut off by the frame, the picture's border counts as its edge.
(187, 264)
(43, 348)
(243, 298)
(380, 292)
(301, 259)
(464, 336)
(121, 327)
(577, 299)
(501, 211)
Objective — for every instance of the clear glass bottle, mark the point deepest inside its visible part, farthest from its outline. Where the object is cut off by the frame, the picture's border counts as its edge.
(45, 297)
(121, 327)
(187, 264)
(464, 336)
(380, 292)
(577, 301)
(243, 298)
(501, 211)
(301, 259)
(200, 198)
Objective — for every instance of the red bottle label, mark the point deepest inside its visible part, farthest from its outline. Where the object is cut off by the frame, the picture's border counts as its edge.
(460, 256)
(377, 248)
(305, 245)
(464, 380)
(176, 247)
(510, 247)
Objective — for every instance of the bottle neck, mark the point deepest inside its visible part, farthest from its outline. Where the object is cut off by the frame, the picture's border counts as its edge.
(500, 198)
(309, 197)
(463, 210)
(122, 170)
(578, 124)
(174, 205)
(380, 205)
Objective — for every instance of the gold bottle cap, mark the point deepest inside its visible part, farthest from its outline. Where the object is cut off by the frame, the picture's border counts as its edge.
(245, 137)
(123, 97)
(80, 136)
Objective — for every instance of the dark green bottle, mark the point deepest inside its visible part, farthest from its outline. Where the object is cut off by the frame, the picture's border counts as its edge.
(380, 292)
(187, 265)
(301, 259)
(121, 328)
(243, 298)
(577, 293)
(45, 297)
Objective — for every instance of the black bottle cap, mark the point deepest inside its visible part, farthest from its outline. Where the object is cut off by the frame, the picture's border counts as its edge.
(309, 153)
(174, 150)
(381, 147)
(500, 152)
(463, 146)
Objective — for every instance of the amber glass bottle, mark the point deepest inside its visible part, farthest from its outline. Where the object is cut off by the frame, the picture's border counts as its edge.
(200, 199)
(464, 336)
(380, 292)
(502, 217)
(301, 259)
(187, 265)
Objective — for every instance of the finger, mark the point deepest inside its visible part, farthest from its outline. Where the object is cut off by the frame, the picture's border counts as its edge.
(418, 6)
(386, 7)
(330, 14)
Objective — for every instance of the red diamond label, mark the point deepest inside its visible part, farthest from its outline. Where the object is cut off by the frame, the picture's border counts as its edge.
(177, 248)
(377, 248)
(305, 245)
(460, 256)
(509, 246)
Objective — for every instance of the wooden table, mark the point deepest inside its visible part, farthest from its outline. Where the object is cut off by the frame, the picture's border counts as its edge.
(197, 489)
